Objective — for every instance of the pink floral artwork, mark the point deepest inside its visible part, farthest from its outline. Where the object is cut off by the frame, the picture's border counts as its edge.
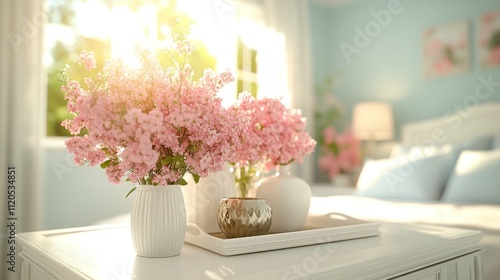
(446, 49)
(489, 39)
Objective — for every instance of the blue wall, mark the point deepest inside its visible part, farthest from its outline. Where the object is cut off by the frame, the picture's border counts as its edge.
(390, 67)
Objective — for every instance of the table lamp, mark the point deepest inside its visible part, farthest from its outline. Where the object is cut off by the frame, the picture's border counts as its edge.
(373, 121)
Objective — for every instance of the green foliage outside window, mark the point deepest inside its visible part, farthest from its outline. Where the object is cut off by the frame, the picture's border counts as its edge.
(247, 69)
(63, 54)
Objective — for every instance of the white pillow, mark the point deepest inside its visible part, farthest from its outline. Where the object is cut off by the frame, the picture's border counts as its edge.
(404, 178)
(479, 143)
(475, 179)
(453, 150)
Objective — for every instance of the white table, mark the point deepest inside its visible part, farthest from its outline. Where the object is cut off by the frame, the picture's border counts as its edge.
(400, 252)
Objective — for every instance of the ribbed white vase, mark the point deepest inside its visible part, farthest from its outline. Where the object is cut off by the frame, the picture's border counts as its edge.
(158, 221)
(289, 197)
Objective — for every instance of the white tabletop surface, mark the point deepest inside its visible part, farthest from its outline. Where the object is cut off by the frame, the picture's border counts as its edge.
(106, 252)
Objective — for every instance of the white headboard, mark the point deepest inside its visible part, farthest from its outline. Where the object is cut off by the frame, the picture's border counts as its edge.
(455, 125)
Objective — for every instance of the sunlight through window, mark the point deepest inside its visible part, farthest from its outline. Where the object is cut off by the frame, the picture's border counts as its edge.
(228, 35)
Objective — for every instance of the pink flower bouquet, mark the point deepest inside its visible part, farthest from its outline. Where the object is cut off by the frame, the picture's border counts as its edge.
(275, 135)
(340, 153)
(151, 124)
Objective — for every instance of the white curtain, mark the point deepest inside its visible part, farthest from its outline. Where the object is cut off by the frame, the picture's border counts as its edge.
(21, 26)
(285, 63)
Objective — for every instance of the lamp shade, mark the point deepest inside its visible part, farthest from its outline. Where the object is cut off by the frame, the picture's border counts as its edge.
(373, 121)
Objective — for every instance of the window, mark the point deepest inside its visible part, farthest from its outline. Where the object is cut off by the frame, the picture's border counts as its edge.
(107, 28)
(110, 28)
(246, 69)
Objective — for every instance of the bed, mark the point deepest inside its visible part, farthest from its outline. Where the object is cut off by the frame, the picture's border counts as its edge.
(445, 171)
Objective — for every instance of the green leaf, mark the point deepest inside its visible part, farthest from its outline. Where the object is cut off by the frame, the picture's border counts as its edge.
(196, 177)
(182, 182)
(167, 160)
(177, 159)
(131, 191)
(105, 164)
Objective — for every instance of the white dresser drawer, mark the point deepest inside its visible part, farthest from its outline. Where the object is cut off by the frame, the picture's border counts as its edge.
(30, 271)
(461, 268)
(432, 277)
(431, 273)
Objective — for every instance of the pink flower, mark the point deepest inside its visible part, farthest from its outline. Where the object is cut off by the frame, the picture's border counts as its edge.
(340, 154)
(329, 135)
(87, 59)
(151, 124)
(275, 135)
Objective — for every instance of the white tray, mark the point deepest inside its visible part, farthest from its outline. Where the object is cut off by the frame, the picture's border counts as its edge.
(318, 229)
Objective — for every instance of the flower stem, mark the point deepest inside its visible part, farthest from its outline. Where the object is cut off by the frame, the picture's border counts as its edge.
(245, 177)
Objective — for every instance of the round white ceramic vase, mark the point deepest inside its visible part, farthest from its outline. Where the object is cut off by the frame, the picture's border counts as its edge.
(202, 199)
(289, 197)
(158, 221)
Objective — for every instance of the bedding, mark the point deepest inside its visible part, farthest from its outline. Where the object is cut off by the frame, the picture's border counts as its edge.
(452, 150)
(475, 179)
(404, 178)
(455, 183)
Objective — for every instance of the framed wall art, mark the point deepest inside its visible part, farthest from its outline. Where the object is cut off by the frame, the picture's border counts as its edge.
(489, 40)
(446, 49)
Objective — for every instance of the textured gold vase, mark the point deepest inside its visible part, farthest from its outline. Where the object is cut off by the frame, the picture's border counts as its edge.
(240, 217)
